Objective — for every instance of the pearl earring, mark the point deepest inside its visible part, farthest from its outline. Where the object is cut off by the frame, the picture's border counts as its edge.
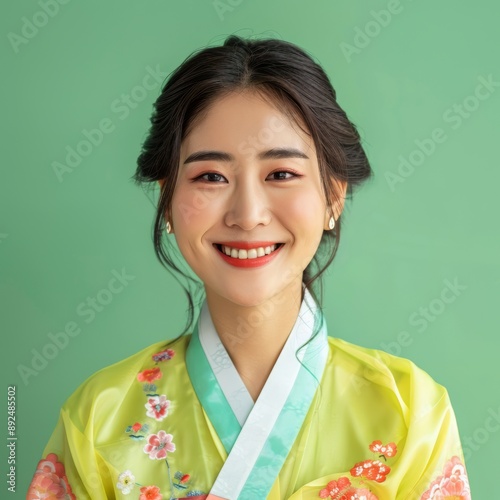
(169, 227)
(331, 223)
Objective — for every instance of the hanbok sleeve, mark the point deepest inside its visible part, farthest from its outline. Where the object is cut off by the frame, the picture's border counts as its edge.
(433, 457)
(70, 468)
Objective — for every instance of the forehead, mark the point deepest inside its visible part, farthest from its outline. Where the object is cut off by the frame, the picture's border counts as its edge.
(246, 118)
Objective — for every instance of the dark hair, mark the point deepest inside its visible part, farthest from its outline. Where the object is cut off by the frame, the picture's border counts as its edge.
(279, 71)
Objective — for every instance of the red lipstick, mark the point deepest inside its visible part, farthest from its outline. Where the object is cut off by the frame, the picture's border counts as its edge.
(248, 263)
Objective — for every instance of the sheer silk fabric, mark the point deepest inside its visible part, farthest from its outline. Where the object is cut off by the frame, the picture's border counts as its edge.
(378, 427)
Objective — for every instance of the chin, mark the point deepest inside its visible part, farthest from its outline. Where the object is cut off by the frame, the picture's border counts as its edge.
(249, 296)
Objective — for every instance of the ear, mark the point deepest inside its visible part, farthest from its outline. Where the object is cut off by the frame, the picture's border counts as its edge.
(161, 182)
(337, 202)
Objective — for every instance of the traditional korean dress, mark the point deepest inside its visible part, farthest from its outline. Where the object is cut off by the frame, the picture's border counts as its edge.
(334, 420)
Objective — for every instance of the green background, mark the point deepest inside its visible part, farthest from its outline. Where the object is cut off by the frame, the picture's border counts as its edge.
(61, 238)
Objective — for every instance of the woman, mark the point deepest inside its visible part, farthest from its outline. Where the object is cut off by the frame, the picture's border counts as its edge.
(254, 158)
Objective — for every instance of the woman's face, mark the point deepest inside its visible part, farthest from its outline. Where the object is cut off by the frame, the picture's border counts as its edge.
(231, 189)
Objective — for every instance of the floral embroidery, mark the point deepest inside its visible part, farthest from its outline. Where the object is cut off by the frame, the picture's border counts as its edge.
(158, 445)
(385, 450)
(371, 469)
(150, 390)
(150, 493)
(149, 375)
(157, 407)
(126, 482)
(342, 489)
(163, 355)
(453, 484)
(181, 480)
(49, 480)
(333, 488)
(359, 494)
(136, 428)
(374, 470)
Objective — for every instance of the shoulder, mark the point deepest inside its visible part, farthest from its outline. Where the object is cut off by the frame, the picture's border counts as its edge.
(397, 376)
(104, 388)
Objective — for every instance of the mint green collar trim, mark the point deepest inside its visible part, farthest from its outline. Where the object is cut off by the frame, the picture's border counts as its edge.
(258, 438)
(210, 394)
(290, 420)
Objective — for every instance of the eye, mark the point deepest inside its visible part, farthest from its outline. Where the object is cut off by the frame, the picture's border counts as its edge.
(213, 176)
(282, 178)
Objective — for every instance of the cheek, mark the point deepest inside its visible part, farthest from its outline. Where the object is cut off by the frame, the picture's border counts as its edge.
(306, 216)
(188, 209)
(306, 211)
(194, 211)
(190, 204)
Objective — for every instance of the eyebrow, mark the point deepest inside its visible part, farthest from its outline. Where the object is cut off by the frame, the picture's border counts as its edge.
(271, 154)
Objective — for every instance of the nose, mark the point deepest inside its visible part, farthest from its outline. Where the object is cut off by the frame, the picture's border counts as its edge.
(248, 205)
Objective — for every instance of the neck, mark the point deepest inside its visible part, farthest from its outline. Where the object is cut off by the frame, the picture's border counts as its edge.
(254, 336)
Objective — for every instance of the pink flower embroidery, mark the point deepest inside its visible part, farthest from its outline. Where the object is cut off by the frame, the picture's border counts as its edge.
(157, 407)
(149, 375)
(454, 483)
(150, 493)
(49, 481)
(371, 469)
(388, 450)
(343, 490)
(333, 488)
(163, 355)
(358, 494)
(158, 445)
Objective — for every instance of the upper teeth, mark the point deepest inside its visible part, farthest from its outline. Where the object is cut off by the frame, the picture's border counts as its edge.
(253, 253)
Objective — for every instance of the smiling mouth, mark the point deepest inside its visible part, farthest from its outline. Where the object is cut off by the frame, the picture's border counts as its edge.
(252, 253)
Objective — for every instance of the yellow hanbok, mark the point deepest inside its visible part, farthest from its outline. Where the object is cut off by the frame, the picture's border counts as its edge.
(157, 426)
